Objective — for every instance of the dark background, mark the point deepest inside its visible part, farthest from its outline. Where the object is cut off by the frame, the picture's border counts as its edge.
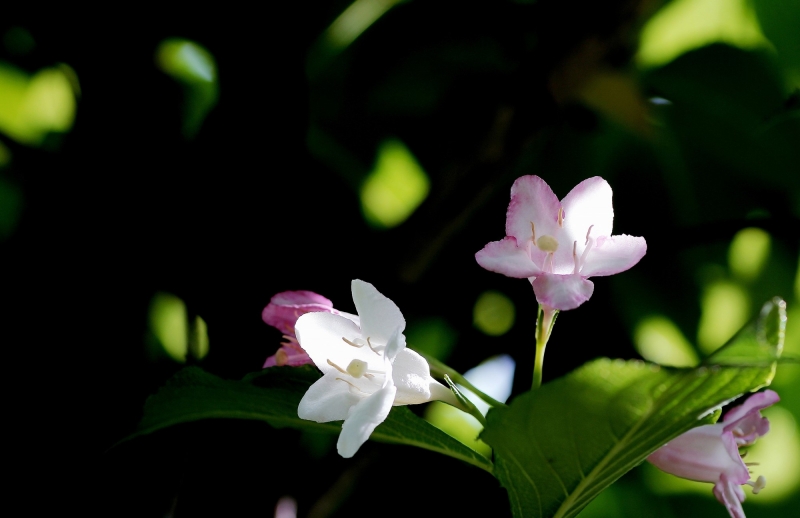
(124, 206)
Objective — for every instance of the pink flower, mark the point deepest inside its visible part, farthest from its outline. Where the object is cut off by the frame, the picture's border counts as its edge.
(559, 245)
(710, 453)
(282, 313)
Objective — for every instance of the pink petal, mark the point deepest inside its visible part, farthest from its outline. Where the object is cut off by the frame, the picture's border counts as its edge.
(286, 307)
(562, 291)
(506, 257)
(702, 454)
(613, 255)
(730, 495)
(588, 204)
(532, 201)
(745, 421)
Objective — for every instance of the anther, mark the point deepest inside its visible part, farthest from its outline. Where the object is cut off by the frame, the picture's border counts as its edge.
(758, 485)
(281, 358)
(561, 217)
(587, 234)
(533, 232)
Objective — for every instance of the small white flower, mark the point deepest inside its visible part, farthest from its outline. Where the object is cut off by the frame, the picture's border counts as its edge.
(366, 368)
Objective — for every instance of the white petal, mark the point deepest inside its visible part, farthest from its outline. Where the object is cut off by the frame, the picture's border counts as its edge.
(379, 315)
(320, 335)
(506, 257)
(328, 399)
(587, 204)
(396, 343)
(363, 419)
(562, 291)
(613, 255)
(412, 376)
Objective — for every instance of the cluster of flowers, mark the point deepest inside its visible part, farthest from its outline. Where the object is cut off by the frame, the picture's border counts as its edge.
(557, 246)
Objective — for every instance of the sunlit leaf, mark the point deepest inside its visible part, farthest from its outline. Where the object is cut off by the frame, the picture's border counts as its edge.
(272, 396)
(558, 447)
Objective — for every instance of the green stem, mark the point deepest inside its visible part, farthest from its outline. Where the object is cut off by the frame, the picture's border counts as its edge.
(440, 370)
(545, 320)
(465, 404)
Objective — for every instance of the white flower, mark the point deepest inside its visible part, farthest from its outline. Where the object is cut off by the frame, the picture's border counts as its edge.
(366, 369)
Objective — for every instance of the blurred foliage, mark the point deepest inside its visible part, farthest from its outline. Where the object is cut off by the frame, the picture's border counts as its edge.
(146, 176)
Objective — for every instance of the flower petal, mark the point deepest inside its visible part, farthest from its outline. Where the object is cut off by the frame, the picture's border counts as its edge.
(562, 291)
(412, 376)
(532, 201)
(730, 495)
(320, 335)
(613, 254)
(745, 421)
(506, 257)
(587, 204)
(328, 399)
(702, 454)
(284, 308)
(363, 418)
(379, 315)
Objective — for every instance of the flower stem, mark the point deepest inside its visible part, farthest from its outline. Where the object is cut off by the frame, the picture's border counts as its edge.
(545, 320)
(440, 370)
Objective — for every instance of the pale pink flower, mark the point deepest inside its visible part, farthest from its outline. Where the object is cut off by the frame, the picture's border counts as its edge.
(710, 453)
(558, 245)
(282, 313)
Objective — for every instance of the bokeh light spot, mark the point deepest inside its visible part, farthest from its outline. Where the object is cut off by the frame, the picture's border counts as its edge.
(395, 187)
(168, 322)
(748, 253)
(725, 308)
(659, 340)
(432, 336)
(684, 25)
(493, 313)
(33, 106)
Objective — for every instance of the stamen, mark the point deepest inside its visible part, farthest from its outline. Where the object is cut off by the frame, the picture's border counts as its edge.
(348, 342)
(533, 232)
(353, 386)
(561, 217)
(588, 245)
(368, 375)
(337, 367)
(758, 485)
(751, 463)
(281, 358)
(575, 258)
(370, 346)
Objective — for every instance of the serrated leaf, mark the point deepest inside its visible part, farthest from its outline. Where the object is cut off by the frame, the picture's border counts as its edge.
(558, 447)
(272, 396)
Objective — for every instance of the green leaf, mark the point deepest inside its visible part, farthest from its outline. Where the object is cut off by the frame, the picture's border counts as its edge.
(558, 447)
(272, 396)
